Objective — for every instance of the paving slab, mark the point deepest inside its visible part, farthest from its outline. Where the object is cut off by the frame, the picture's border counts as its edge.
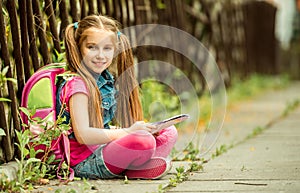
(279, 186)
(243, 117)
(269, 162)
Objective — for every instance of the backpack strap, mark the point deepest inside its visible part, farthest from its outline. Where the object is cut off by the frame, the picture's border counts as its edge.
(63, 140)
(64, 145)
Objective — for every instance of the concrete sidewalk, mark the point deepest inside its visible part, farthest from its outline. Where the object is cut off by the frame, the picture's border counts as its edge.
(269, 162)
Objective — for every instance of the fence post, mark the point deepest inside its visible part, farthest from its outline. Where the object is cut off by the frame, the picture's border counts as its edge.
(11, 7)
(52, 23)
(99, 6)
(63, 17)
(83, 9)
(8, 148)
(33, 48)
(260, 36)
(91, 7)
(40, 31)
(107, 8)
(74, 11)
(24, 39)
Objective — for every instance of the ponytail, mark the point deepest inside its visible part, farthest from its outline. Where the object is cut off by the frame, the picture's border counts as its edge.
(72, 52)
(74, 60)
(129, 107)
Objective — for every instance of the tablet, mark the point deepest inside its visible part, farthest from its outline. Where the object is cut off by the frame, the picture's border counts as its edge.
(169, 122)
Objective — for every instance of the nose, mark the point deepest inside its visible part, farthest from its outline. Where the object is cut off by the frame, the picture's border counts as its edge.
(100, 54)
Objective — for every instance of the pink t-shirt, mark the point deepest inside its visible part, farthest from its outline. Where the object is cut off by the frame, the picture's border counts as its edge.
(79, 152)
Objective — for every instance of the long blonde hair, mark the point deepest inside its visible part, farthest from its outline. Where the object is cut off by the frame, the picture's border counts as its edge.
(129, 108)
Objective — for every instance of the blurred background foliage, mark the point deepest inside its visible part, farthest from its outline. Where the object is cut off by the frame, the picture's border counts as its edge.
(255, 45)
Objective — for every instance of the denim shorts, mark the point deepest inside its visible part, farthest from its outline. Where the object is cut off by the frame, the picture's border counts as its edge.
(94, 167)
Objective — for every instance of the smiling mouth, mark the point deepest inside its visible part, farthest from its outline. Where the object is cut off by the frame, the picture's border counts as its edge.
(99, 63)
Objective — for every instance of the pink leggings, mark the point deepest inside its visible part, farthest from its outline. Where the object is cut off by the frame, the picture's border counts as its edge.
(137, 148)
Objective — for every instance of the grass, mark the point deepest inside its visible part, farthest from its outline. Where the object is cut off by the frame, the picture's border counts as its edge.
(254, 85)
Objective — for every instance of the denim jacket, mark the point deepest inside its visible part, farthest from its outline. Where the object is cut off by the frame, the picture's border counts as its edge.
(105, 83)
(108, 92)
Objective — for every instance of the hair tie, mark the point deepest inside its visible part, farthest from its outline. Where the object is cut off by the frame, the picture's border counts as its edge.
(75, 25)
(119, 34)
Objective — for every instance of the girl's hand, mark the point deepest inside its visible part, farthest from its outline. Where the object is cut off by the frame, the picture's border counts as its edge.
(141, 125)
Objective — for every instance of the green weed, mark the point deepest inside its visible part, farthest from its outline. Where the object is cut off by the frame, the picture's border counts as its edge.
(33, 170)
(84, 187)
(191, 152)
(9, 185)
(195, 167)
(290, 107)
(219, 151)
(256, 131)
(179, 177)
(243, 168)
(161, 189)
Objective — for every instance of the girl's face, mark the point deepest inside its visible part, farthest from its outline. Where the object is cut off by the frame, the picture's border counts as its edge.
(97, 49)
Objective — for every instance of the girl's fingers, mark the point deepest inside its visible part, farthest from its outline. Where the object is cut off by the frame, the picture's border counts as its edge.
(146, 127)
(141, 125)
(151, 126)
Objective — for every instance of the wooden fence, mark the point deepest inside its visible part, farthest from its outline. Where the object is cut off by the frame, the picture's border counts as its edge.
(32, 32)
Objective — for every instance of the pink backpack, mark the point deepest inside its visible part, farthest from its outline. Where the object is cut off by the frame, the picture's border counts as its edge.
(39, 93)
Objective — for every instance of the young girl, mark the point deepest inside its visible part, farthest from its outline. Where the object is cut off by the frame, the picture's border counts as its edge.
(92, 103)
